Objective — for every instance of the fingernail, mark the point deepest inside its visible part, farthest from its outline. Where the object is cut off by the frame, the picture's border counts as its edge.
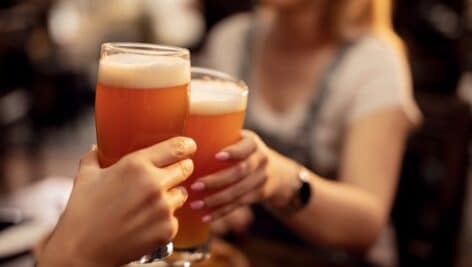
(222, 155)
(93, 147)
(187, 166)
(206, 218)
(198, 186)
(183, 191)
(196, 205)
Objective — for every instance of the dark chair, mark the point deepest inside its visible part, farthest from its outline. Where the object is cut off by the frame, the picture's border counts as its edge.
(428, 209)
(16, 24)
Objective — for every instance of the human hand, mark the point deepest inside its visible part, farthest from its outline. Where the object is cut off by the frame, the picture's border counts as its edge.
(117, 214)
(237, 222)
(245, 183)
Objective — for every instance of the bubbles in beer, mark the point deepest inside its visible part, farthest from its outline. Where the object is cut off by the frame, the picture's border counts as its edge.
(143, 71)
(212, 97)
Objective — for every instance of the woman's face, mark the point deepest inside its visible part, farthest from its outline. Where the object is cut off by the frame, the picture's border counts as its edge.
(288, 4)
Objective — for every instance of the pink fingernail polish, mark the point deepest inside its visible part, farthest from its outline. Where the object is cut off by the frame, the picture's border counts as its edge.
(196, 205)
(206, 219)
(198, 186)
(222, 155)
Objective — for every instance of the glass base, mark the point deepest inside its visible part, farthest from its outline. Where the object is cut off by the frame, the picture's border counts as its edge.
(184, 257)
(156, 256)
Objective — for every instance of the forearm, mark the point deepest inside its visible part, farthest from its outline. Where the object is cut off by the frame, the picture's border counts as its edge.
(337, 215)
(54, 252)
(59, 259)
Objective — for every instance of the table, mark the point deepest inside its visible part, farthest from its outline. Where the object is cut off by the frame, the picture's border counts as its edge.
(252, 252)
(259, 252)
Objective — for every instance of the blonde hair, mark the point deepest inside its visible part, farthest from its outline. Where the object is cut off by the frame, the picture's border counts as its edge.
(349, 19)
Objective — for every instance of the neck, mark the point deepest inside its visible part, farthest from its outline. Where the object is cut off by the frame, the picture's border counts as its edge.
(299, 27)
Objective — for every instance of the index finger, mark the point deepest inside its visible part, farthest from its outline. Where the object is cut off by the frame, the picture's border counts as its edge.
(240, 150)
(169, 151)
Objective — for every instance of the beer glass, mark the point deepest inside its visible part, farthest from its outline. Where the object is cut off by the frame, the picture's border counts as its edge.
(217, 108)
(142, 98)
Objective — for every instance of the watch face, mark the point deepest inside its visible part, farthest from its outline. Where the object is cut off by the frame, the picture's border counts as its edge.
(305, 193)
(302, 196)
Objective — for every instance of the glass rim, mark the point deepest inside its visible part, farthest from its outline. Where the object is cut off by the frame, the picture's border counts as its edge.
(145, 49)
(220, 75)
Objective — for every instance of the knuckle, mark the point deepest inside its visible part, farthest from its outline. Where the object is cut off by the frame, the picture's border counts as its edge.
(149, 187)
(244, 201)
(160, 184)
(264, 194)
(136, 169)
(162, 210)
(143, 175)
(242, 169)
(152, 189)
(235, 152)
(227, 210)
(264, 178)
(259, 196)
(133, 165)
(211, 201)
(219, 199)
(260, 180)
(250, 198)
(264, 160)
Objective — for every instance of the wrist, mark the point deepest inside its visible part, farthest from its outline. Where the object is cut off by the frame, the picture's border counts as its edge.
(55, 253)
(58, 258)
(58, 252)
(287, 172)
(297, 199)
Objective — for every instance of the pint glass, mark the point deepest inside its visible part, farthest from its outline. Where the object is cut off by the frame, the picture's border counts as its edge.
(217, 108)
(141, 99)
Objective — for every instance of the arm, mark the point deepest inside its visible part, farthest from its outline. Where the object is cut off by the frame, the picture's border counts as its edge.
(349, 213)
(117, 214)
(352, 212)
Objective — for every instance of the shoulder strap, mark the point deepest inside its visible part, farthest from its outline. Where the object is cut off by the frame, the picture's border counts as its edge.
(247, 48)
(323, 88)
(317, 100)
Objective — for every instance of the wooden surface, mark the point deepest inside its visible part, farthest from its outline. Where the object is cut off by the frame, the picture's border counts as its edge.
(224, 255)
(258, 252)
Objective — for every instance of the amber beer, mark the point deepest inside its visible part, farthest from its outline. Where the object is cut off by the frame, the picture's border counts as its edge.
(142, 98)
(217, 107)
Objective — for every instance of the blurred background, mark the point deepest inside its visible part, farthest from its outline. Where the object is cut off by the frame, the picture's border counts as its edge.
(48, 60)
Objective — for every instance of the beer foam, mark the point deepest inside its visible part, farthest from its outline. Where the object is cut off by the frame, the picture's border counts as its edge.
(143, 71)
(213, 97)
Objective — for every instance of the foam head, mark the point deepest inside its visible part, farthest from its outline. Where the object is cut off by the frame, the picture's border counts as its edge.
(143, 71)
(213, 97)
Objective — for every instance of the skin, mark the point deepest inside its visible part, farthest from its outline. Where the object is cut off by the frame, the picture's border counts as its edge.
(350, 212)
(117, 214)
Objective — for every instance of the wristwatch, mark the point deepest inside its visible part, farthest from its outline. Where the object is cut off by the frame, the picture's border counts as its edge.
(300, 198)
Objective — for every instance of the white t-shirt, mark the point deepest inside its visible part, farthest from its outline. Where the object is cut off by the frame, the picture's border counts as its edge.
(370, 78)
